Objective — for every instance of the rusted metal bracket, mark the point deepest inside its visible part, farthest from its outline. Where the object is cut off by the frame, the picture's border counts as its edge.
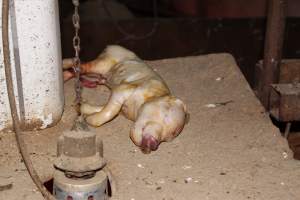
(285, 102)
(289, 72)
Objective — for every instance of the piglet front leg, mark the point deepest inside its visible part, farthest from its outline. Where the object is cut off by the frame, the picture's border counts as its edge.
(112, 108)
(87, 78)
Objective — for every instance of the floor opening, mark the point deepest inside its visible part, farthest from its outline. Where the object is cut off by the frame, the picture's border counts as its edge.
(293, 137)
(49, 185)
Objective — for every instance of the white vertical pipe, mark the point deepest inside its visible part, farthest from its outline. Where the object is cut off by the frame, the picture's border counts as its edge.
(36, 60)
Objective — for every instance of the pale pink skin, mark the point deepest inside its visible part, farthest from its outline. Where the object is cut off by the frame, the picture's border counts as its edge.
(137, 91)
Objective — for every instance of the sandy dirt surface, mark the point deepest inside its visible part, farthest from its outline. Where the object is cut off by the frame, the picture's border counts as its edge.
(226, 152)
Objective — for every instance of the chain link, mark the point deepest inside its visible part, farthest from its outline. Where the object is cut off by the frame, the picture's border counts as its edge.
(76, 46)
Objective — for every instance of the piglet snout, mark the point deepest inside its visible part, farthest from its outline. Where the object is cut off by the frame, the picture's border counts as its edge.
(149, 143)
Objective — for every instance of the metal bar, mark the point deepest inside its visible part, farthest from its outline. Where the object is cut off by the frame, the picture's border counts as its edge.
(273, 47)
(287, 129)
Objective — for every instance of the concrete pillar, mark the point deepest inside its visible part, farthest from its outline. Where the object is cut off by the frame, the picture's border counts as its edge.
(35, 48)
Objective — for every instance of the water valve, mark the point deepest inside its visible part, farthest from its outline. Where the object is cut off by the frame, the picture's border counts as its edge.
(78, 174)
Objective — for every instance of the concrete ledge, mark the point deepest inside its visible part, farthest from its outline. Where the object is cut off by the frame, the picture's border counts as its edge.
(227, 151)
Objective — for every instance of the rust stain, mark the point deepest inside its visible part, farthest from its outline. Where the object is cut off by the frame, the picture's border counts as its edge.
(33, 124)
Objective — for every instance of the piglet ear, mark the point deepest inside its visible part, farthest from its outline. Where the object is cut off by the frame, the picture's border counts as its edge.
(178, 101)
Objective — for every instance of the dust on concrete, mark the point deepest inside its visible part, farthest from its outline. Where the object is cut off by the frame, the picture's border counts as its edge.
(229, 151)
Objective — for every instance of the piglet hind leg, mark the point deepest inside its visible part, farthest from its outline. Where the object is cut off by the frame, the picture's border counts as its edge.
(112, 108)
(88, 109)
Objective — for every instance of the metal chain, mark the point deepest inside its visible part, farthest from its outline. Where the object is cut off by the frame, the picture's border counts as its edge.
(79, 122)
(76, 46)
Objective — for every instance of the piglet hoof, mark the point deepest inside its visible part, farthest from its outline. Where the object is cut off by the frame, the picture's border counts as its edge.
(68, 74)
(92, 120)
